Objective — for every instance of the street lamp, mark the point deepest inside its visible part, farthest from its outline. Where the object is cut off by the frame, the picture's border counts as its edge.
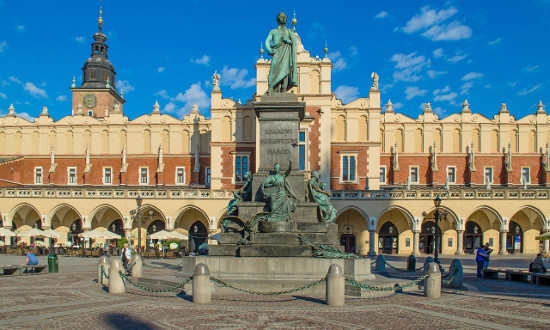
(437, 214)
(139, 201)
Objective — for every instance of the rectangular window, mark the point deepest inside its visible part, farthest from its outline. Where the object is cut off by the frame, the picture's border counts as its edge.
(71, 171)
(383, 174)
(107, 175)
(413, 174)
(451, 174)
(38, 175)
(207, 176)
(180, 175)
(525, 175)
(349, 172)
(302, 150)
(241, 167)
(488, 174)
(144, 175)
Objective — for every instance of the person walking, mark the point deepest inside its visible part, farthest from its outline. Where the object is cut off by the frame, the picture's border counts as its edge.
(126, 255)
(480, 259)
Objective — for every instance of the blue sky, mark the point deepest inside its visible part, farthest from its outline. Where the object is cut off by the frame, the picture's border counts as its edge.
(489, 52)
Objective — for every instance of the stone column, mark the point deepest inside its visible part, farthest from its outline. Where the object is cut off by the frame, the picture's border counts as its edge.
(416, 242)
(546, 245)
(372, 243)
(502, 244)
(362, 239)
(459, 238)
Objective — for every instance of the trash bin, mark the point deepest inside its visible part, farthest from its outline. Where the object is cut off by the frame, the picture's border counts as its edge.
(52, 263)
(411, 263)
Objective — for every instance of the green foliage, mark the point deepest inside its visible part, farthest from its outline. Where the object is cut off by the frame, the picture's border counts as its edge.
(120, 243)
(168, 242)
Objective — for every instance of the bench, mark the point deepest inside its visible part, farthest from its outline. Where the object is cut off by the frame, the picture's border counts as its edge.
(35, 268)
(492, 273)
(11, 270)
(541, 279)
(520, 275)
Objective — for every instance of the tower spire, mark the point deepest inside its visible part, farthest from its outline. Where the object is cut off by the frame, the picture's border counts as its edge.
(100, 20)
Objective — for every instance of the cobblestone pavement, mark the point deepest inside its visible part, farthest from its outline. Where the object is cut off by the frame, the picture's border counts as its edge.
(72, 298)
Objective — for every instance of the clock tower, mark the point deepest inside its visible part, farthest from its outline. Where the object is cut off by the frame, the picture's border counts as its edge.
(97, 96)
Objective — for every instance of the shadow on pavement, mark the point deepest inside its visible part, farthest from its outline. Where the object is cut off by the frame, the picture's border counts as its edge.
(122, 321)
(310, 299)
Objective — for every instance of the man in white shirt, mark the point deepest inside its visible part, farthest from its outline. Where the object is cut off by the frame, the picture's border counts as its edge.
(126, 255)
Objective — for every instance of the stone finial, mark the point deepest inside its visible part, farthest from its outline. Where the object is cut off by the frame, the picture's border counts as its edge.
(73, 85)
(195, 109)
(44, 110)
(160, 154)
(503, 108)
(124, 154)
(52, 155)
(87, 155)
(466, 106)
(540, 107)
(374, 77)
(427, 107)
(216, 79)
(294, 21)
(156, 107)
(121, 93)
(11, 111)
(117, 108)
(389, 106)
(261, 51)
(326, 50)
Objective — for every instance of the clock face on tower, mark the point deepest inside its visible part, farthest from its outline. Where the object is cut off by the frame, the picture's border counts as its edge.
(89, 100)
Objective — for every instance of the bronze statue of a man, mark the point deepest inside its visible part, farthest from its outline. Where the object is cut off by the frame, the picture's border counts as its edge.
(282, 46)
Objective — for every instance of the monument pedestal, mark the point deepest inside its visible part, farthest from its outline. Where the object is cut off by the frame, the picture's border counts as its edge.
(276, 273)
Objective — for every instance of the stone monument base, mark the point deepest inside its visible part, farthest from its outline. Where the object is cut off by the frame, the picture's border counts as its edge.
(276, 273)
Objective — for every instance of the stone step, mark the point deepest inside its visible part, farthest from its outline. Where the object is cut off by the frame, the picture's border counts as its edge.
(261, 250)
(223, 250)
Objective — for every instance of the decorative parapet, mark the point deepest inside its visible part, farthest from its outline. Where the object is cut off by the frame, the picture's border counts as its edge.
(430, 194)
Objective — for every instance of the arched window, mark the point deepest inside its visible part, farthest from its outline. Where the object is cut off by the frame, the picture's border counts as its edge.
(427, 238)
(388, 238)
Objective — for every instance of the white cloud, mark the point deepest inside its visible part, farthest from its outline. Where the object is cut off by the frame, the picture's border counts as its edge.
(472, 76)
(170, 107)
(61, 98)
(408, 66)
(161, 69)
(438, 53)
(34, 90)
(3, 96)
(163, 94)
(439, 111)
(316, 31)
(453, 31)
(446, 89)
(79, 39)
(432, 73)
(512, 83)
(14, 79)
(427, 18)
(338, 62)
(3, 46)
(347, 93)
(204, 60)
(465, 88)
(20, 28)
(397, 105)
(124, 85)
(446, 97)
(412, 92)
(494, 42)
(531, 68)
(235, 78)
(193, 95)
(526, 91)
(459, 56)
(382, 14)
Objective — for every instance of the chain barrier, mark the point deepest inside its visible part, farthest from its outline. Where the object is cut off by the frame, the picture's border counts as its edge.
(387, 288)
(164, 267)
(103, 274)
(264, 293)
(139, 286)
(404, 270)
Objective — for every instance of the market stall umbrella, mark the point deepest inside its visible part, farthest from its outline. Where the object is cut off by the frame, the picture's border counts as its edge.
(113, 235)
(94, 234)
(52, 233)
(543, 237)
(164, 235)
(35, 232)
(7, 233)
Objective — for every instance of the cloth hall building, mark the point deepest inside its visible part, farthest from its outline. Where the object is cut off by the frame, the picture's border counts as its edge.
(383, 168)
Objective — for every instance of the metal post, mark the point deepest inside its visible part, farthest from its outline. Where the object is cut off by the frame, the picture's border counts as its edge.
(139, 230)
(436, 250)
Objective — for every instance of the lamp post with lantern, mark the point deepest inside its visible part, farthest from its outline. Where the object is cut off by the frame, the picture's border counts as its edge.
(137, 212)
(437, 215)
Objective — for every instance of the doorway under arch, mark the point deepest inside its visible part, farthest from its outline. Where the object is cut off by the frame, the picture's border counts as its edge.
(427, 238)
(197, 235)
(473, 237)
(388, 238)
(514, 238)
